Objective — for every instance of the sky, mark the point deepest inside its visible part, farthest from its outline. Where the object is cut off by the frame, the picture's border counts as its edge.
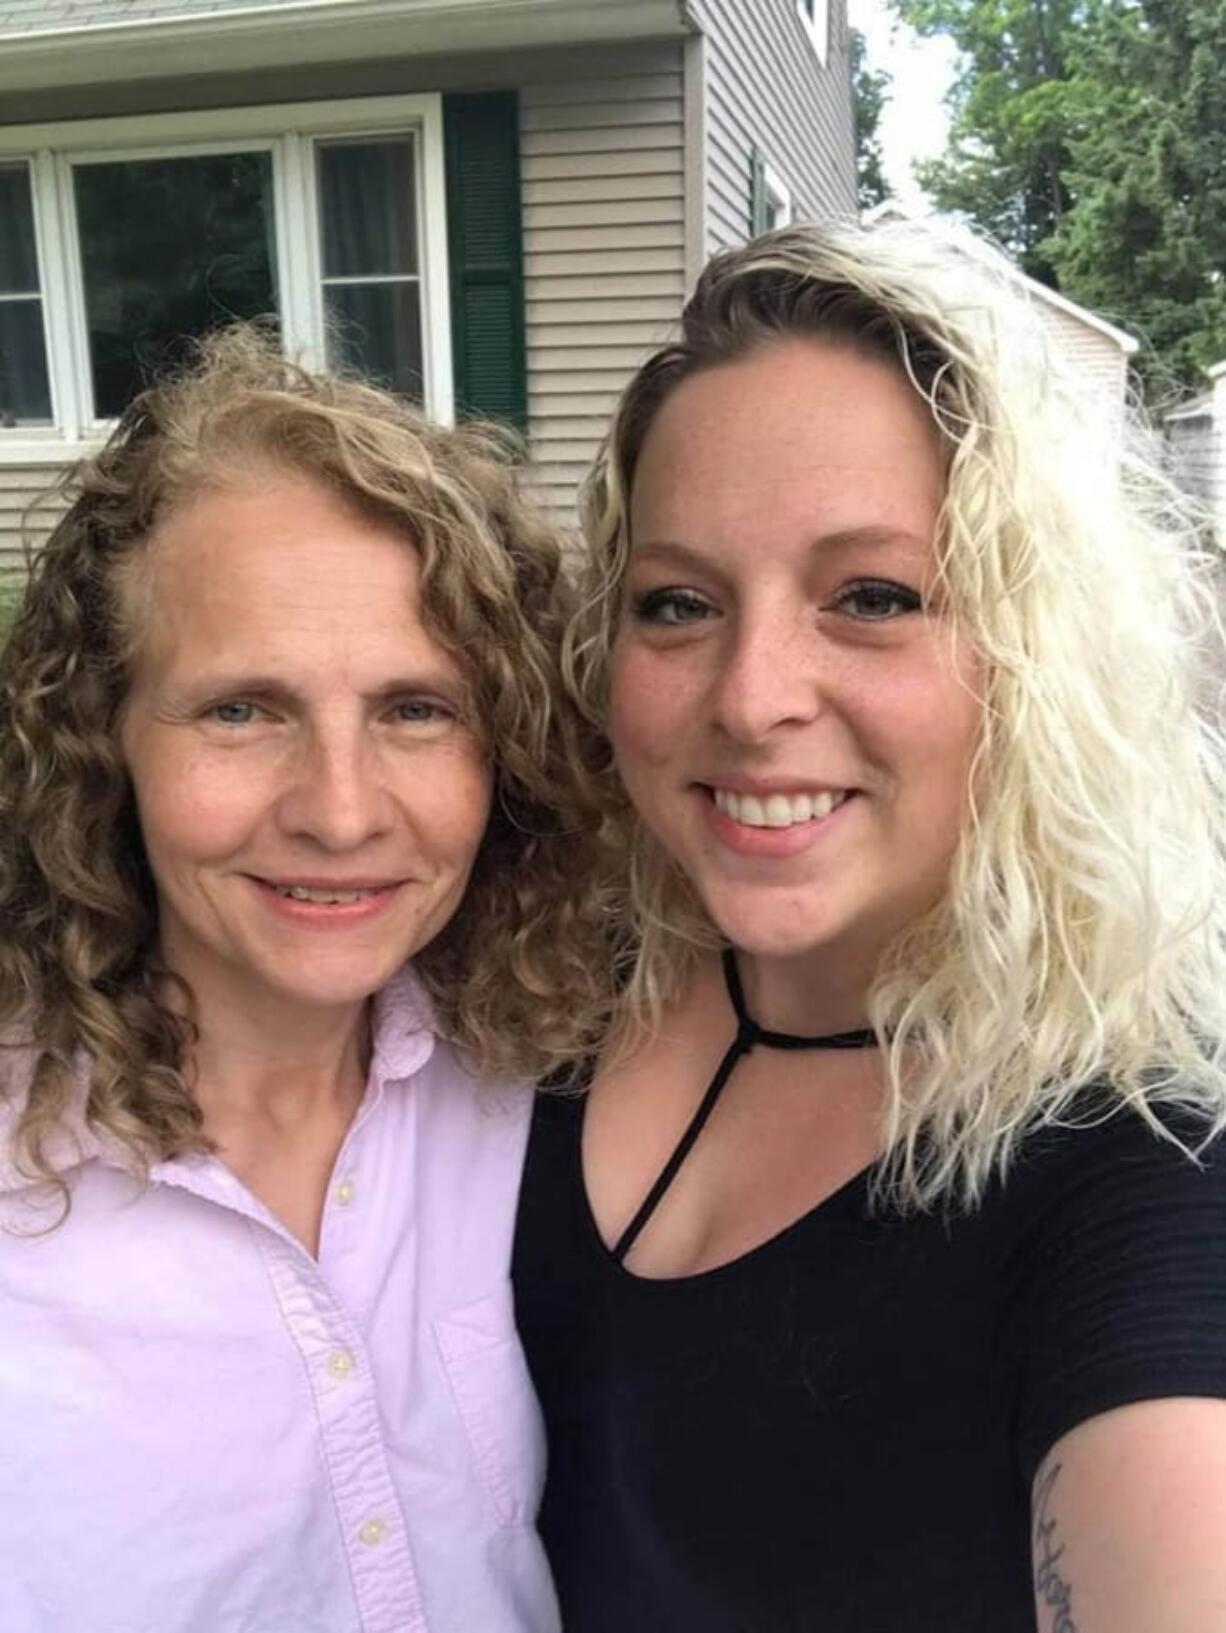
(914, 121)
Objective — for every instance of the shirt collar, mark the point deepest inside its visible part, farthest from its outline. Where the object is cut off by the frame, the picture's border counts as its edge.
(69, 1144)
(403, 1029)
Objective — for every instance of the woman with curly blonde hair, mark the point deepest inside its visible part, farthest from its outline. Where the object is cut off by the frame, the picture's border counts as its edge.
(292, 820)
(879, 1283)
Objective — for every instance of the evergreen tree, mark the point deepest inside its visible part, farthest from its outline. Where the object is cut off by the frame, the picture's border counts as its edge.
(1089, 138)
(1146, 238)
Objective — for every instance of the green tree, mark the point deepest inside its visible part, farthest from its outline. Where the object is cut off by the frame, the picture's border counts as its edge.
(872, 92)
(1089, 138)
(1146, 237)
(1008, 156)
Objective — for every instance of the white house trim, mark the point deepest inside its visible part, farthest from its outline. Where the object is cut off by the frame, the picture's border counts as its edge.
(816, 22)
(288, 131)
(778, 196)
(321, 31)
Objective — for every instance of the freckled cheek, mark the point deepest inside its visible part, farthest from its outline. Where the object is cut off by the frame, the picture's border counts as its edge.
(447, 807)
(193, 818)
(932, 731)
(652, 708)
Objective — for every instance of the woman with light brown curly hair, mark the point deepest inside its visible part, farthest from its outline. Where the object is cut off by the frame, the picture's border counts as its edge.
(290, 814)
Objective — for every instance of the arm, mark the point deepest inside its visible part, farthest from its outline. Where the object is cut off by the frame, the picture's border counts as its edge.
(1129, 1522)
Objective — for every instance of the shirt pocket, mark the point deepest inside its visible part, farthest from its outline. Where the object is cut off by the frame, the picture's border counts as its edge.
(492, 1388)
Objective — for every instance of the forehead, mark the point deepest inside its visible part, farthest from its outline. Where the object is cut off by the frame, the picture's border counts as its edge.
(286, 571)
(800, 433)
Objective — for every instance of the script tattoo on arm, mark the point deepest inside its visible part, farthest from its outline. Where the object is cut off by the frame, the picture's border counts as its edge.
(1051, 1586)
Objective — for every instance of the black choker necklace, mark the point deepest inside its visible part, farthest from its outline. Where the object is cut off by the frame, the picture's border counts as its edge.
(748, 1035)
(749, 1032)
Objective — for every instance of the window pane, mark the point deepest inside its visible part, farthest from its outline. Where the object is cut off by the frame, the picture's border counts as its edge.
(368, 208)
(170, 248)
(18, 257)
(376, 328)
(25, 394)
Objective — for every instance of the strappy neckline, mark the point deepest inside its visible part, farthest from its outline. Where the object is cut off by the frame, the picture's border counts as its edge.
(749, 1035)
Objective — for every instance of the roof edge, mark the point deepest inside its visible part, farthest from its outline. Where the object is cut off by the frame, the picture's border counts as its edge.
(890, 208)
(321, 31)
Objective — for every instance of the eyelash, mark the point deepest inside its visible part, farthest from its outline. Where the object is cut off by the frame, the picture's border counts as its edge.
(437, 711)
(652, 606)
(906, 599)
(214, 711)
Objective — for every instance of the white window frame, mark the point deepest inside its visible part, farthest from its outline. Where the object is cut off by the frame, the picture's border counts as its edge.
(777, 196)
(817, 26)
(289, 132)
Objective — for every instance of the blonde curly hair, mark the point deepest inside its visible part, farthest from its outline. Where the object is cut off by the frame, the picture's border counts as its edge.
(1083, 936)
(519, 978)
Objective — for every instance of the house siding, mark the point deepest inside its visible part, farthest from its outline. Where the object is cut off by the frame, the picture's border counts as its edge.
(1196, 449)
(767, 90)
(603, 166)
(603, 177)
(1097, 362)
(1197, 455)
(26, 514)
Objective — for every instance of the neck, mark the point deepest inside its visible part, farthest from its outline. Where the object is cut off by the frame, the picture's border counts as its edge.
(811, 995)
(275, 1061)
(320, 1072)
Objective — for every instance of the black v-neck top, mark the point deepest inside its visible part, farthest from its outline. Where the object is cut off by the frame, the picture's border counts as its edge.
(837, 1432)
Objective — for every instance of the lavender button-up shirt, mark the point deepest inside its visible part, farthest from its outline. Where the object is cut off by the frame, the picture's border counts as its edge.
(205, 1430)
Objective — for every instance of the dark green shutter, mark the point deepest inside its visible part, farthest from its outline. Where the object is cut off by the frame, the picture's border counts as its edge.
(757, 193)
(485, 241)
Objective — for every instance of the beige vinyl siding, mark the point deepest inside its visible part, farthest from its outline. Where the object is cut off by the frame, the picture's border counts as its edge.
(22, 516)
(1099, 363)
(603, 167)
(603, 177)
(766, 89)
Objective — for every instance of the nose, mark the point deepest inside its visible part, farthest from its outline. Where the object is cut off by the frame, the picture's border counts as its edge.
(770, 675)
(338, 797)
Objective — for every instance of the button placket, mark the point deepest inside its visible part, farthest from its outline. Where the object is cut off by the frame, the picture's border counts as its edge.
(352, 1441)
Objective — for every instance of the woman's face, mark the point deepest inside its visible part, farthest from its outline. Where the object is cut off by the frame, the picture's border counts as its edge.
(310, 790)
(788, 713)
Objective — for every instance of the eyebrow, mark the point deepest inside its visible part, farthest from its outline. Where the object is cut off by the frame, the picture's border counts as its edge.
(842, 539)
(202, 685)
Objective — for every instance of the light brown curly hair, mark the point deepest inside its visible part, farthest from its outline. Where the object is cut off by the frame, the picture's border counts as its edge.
(520, 976)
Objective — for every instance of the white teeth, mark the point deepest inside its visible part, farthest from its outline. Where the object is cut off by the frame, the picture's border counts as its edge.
(327, 898)
(776, 810)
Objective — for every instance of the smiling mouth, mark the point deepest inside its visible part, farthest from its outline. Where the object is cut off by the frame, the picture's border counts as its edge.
(778, 810)
(326, 895)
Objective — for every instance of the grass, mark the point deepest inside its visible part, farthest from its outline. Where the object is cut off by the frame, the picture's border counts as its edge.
(11, 585)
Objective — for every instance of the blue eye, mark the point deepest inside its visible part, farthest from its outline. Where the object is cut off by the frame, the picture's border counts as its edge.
(672, 607)
(234, 712)
(422, 711)
(877, 600)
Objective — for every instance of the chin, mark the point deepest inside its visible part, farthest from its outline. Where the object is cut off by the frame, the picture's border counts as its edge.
(761, 936)
(330, 990)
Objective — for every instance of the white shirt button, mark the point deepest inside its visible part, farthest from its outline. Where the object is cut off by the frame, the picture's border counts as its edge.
(372, 1531)
(340, 1363)
(344, 1193)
